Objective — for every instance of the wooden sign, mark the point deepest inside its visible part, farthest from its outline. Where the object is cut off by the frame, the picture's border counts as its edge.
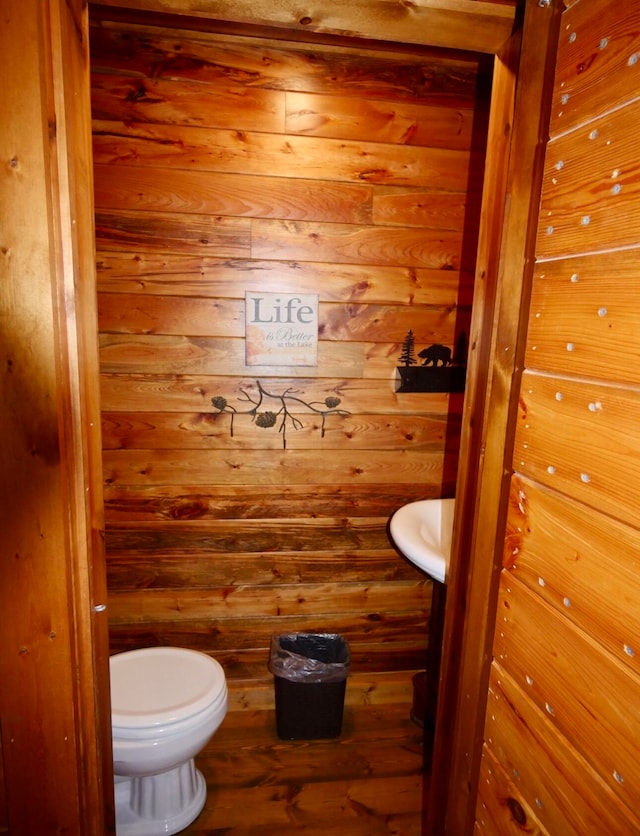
(281, 329)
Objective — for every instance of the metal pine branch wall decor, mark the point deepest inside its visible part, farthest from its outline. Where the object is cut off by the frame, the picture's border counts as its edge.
(280, 413)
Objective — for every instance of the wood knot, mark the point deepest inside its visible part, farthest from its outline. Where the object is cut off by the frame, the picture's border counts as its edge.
(517, 811)
(188, 510)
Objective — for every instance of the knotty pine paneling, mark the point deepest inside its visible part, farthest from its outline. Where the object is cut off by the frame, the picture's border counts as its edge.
(226, 164)
(563, 554)
(462, 26)
(189, 316)
(582, 323)
(597, 67)
(596, 454)
(501, 806)
(252, 535)
(408, 207)
(568, 796)
(154, 569)
(442, 249)
(562, 713)
(183, 275)
(272, 467)
(175, 102)
(235, 195)
(166, 392)
(285, 600)
(404, 122)
(389, 73)
(165, 232)
(241, 644)
(365, 689)
(569, 678)
(206, 355)
(294, 501)
(590, 188)
(245, 152)
(202, 431)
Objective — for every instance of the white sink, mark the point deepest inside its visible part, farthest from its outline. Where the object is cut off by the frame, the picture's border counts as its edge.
(422, 531)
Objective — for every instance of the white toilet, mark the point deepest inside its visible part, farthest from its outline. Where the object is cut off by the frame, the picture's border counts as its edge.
(166, 703)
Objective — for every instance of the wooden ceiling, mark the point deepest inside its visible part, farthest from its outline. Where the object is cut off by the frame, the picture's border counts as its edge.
(470, 25)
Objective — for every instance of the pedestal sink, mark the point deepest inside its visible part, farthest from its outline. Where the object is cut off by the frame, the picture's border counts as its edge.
(422, 531)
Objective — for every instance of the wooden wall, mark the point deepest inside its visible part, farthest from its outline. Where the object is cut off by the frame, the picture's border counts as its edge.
(225, 164)
(562, 728)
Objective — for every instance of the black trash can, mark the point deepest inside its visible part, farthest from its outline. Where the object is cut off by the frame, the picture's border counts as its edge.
(310, 678)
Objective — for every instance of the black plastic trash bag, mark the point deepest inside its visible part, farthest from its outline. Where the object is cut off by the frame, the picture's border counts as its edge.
(310, 657)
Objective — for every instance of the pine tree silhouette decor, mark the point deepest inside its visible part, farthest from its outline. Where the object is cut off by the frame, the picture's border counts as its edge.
(407, 357)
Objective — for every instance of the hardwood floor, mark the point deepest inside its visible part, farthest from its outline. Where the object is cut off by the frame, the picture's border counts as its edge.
(369, 781)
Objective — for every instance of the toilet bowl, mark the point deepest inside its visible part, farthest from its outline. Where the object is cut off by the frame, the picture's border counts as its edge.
(166, 703)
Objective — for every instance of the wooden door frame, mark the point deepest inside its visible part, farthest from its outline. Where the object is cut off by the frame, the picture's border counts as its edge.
(77, 310)
(55, 718)
(518, 131)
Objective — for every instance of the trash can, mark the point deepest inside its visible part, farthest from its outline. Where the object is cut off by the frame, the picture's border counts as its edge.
(310, 678)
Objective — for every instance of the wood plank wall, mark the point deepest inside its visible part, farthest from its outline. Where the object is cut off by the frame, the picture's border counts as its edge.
(562, 728)
(225, 164)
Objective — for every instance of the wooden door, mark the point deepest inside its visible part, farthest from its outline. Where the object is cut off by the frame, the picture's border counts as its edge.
(562, 729)
(563, 718)
(54, 706)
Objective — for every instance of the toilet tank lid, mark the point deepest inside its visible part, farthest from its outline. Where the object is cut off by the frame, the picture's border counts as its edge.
(155, 686)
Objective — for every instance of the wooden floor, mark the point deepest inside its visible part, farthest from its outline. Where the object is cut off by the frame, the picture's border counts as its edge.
(369, 781)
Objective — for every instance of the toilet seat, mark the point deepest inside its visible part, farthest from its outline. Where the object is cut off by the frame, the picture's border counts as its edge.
(159, 690)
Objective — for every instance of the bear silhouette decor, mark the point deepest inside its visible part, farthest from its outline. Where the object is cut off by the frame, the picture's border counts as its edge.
(435, 368)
